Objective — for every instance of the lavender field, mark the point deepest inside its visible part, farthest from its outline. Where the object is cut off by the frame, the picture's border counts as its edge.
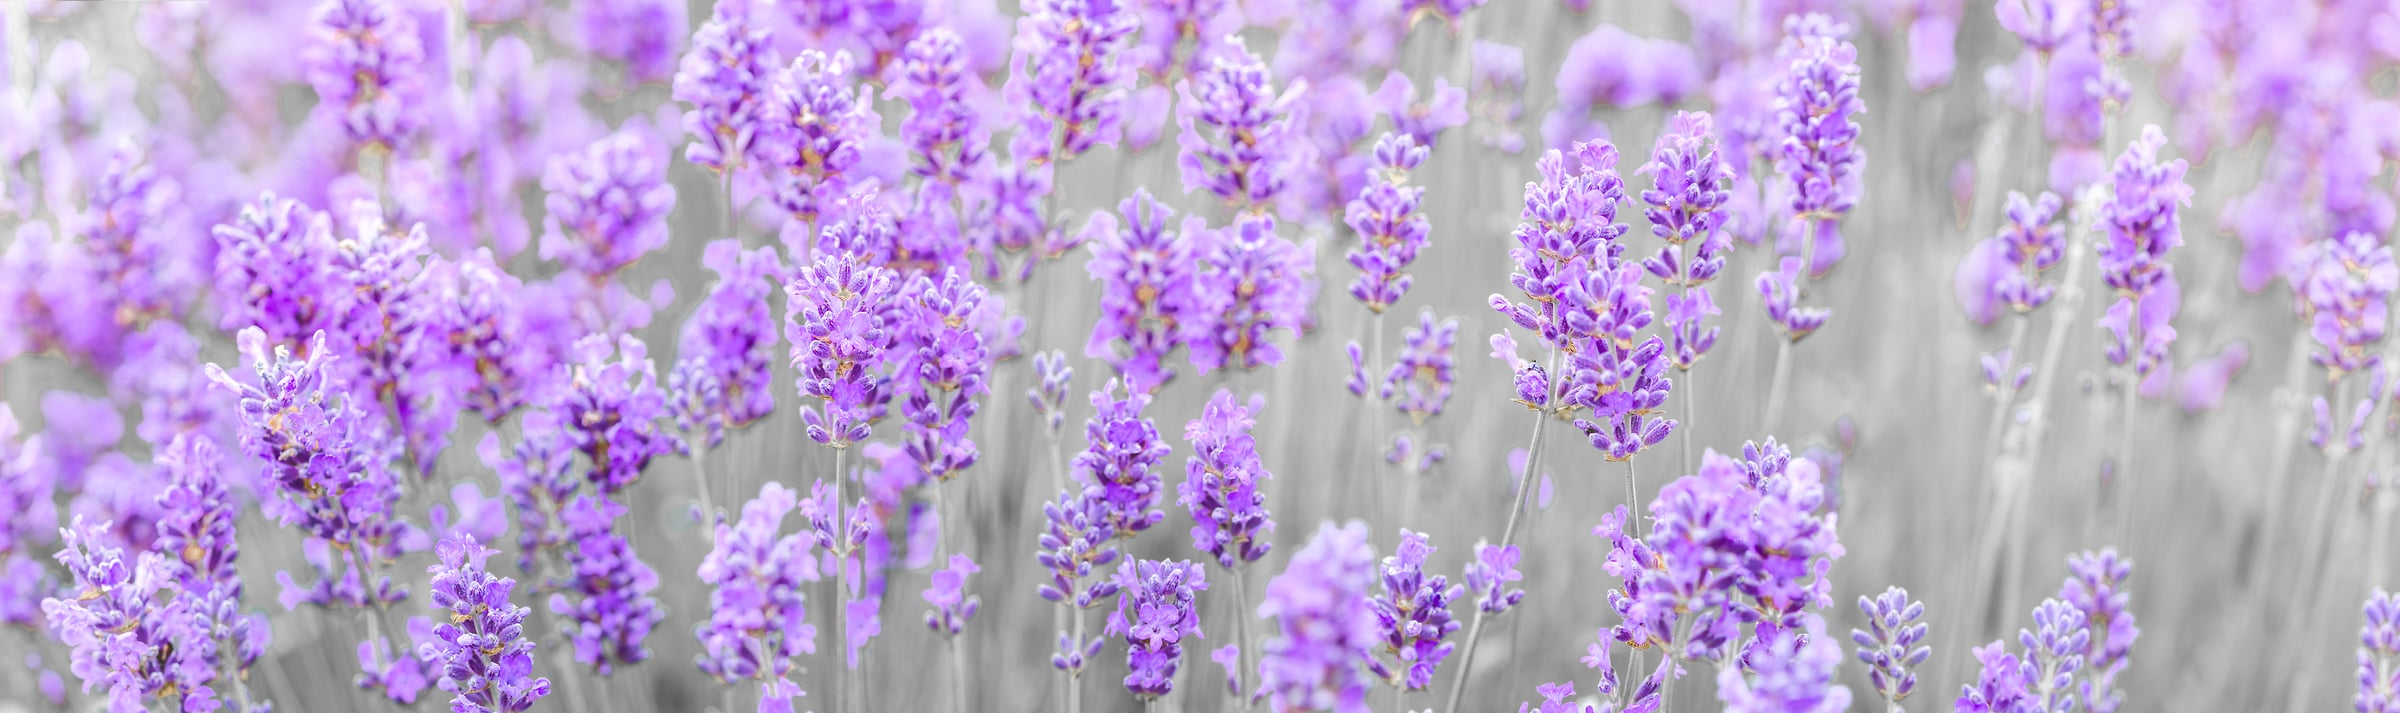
(1192, 355)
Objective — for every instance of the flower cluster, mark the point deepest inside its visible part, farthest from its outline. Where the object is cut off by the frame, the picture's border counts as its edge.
(1158, 604)
(724, 78)
(1422, 379)
(1390, 230)
(1412, 612)
(1222, 482)
(2095, 585)
(1890, 644)
(758, 622)
(1814, 103)
(1146, 276)
(1077, 543)
(487, 328)
(485, 659)
(1622, 382)
(607, 204)
(2141, 224)
(609, 411)
(823, 126)
(1686, 205)
(2074, 652)
(607, 608)
(1569, 229)
(1325, 624)
(125, 634)
(537, 474)
(274, 270)
(1252, 282)
(1070, 73)
(1239, 139)
(722, 378)
(836, 326)
(947, 593)
(1122, 459)
(941, 370)
(1780, 290)
(366, 63)
(196, 533)
(2347, 290)
(947, 143)
(1791, 671)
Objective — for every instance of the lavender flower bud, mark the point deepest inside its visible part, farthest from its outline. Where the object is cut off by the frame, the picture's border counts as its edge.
(1158, 605)
(1890, 644)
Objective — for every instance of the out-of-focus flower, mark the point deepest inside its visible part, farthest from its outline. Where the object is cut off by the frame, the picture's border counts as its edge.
(1424, 123)
(608, 206)
(1077, 543)
(1239, 138)
(1814, 104)
(1222, 482)
(1146, 275)
(488, 333)
(1070, 73)
(367, 64)
(2379, 655)
(2348, 288)
(1490, 576)
(758, 623)
(1158, 605)
(947, 141)
(728, 344)
(824, 127)
(607, 605)
(609, 410)
(1781, 291)
(725, 79)
(2141, 223)
(1423, 375)
(1496, 95)
(1325, 624)
(947, 593)
(645, 35)
(1251, 283)
(2044, 25)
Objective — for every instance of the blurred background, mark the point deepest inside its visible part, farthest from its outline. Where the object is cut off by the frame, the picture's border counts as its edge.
(1888, 395)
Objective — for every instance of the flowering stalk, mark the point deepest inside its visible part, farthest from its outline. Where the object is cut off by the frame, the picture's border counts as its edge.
(1222, 489)
(1687, 206)
(2142, 225)
(1815, 101)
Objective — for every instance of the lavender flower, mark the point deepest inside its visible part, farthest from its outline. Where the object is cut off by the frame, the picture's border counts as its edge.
(1146, 277)
(2141, 225)
(825, 125)
(1569, 219)
(1122, 459)
(123, 633)
(486, 661)
(1325, 624)
(1781, 292)
(537, 475)
(1078, 541)
(274, 270)
(1390, 229)
(366, 63)
(1621, 382)
(1158, 605)
(2032, 243)
(1496, 95)
(727, 344)
(725, 79)
(1889, 646)
(641, 34)
(839, 343)
(1490, 576)
(1068, 71)
(2000, 688)
(1555, 699)
(2096, 586)
(1239, 139)
(390, 318)
(610, 410)
(1049, 393)
(941, 371)
(1794, 672)
(758, 623)
(2054, 651)
(2347, 291)
(2045, 26)
(1253, 282)
(608, 206)
(486, 324)
(1412, 611)
(607, 607)
(1222, 481)
(947, 593)
(1814, 102)
(196, 536)
(1687, 205)
(948, 146)
(2379, 655)
(1423, 374)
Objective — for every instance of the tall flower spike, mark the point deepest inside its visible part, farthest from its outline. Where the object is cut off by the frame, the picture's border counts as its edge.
(275, 270)
(1623, 383)
(1391, 232)
(1569, 219)
(2379, 655)
(1158, 604)
(486, 660)
(1814, 104)
(607, 607)
(1070, 71)
(2032, 243)
(1423, 375)
(608, 206)
(1122, 459)
(365, 61)
(1147, 275)
(2347, 289)
(1412, 612)
(725, 77)
(758, 623)
(1078, 542)
(611, 409)
(825, 124)
(196, 534)
(947, 142)
(2140, 219)
(1325, 625)
(1686, 201)
(124, 633)
(729, 343)
(2096, 585)
(941, 371)
(1052, 377)
(1890, 645)
(839, 343)
(1223, 480)
(1254, 282)
(1239, 139)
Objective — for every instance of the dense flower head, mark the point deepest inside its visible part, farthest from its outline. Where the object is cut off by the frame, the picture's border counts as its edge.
(1122, 459)
(642, 35)
(390, 330)
(2031, 243)
(836, 326)
(2095, 585)
(1412, 612)
(537, 474)
(1158, 604)
(730, 338)
(2379, 655)
(1623, 383)
(758, 623)
(1325, 624)
(1568, 229)
(1790, 672)
(1390, 229)
(824, 125)
(196, 533)
(1223, 482)
(484, 656)
(2347, 288)
(1251, 283)
(947, 141)
(724, 77)
(2053, 656)
(1686, 202)
(1078, 541)
(1492, 576)
(608, 205)
(1424, 374)
(947, 593)
(142, 275)
(275, 270)
(1147, 274)
(1239, 139)
(1890, 645)
(126, 631)
(941, 370)
(367, 64)
(2141, 219)
(486, 326)
(1815, 101)
(607, 608)
(1780, 289)
(610, 409)
(1071, 72)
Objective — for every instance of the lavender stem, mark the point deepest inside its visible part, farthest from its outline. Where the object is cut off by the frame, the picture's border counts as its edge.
(1525, 486)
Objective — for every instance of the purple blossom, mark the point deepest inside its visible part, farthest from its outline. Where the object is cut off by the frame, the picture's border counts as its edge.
(1814, 104)
(947, 593)
(275, 270)
(1146, 276)
(836, 326)
(1052, 377)
(1889, 646)
(941, 371)
(196, 537)
(1781, 292)
(607, 606)
(2045, 26)
(1122, 460)
(1622, 382)
(2000, 688)
(2349, 284)
(537, 475)
(1491, 575)
(725, 79)
(1222, 482)
(485, 658)
(2140, 219)
(1412, 611)
(1167, 24)
(2054, 651)
(1078, 541)
(1496, 96)
(608, 206)
(610, 410)
(1251, 282)
(758, 623)
(367, 65)
(1793, 670)
(948, 145)
(486, 328)
(1070, 75)
(1390, 230)
(1325, 624)
(1397, 98)
(2379, 655)
(1239, 139)
(824, 127)
(1569, 225)
(1686, 203)
(390, 321)
(728, 344)
(642, 34)
(2096, 585)
(126, 631)
(1556, 699)
(1158, 605)
(2030, 244)
(1423, 375)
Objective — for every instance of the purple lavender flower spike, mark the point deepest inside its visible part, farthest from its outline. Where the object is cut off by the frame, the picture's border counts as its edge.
(1253, 282)
(607, 607)
(2347, 290)
(1569, 227)
(1781, 291)
(1412, 613)
(1491, 575)
(948, 145)
(1423, 375)
(124, 632)
(1890, 644)
(1146, 275)
(366, 63)
(1391, 232)
(2379, 655)
(758, 623)
(1686, 203)
(485, 657)
(2031, 243)
(642, 34)
(824, 125)
(1794, 672)
(1052, 377)
(2141, 219)
(1814, 104)
(1223, 480)
(2000, 688)
(608, 206)
(725, 79)
(1070, 71)
(1325, 624)
(947, 593)
(836, 326)
(2096, 585)
(1622, 383)
(1239, 139)
(391, 315)
(486, 322)
(1077, 543)
(1496, 96)
(941, 371)
(197, 537)
(275, 270)
(611, 410)
(1122, 459)
(1158, 605)
(727, 346)
(2054, 651)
